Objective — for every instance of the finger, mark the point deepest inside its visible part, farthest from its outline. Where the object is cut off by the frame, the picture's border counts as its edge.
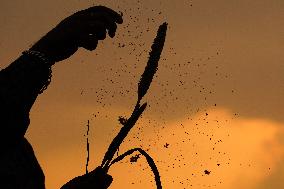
(112, 30)
(101, 178)
(110, 25)
(99, 14)
(108, 180)
(98, 29)
(88, 42)
(106, 11)
(103, 23)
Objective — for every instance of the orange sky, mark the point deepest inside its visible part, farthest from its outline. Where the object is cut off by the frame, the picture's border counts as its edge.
(228, 53)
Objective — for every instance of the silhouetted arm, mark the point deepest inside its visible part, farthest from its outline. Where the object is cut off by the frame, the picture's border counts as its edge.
(21, 82)
(96, 179)
(28, 76)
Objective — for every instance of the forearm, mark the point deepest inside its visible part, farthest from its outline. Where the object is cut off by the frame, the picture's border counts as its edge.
(21, 82)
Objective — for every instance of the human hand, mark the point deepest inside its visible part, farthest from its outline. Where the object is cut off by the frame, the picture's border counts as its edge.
(82, 29)
(96, 179)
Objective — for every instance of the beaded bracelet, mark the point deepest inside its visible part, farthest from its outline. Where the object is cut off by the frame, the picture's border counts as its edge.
(38, 55)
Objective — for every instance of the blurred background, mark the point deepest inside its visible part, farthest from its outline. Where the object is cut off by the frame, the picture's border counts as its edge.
(215, 108)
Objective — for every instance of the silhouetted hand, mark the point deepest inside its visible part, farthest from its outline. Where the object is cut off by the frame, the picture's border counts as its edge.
(82, 29)
(97, 179)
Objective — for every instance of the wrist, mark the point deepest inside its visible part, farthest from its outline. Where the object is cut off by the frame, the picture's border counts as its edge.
(40, 56)
(42, 48)
(54, 48)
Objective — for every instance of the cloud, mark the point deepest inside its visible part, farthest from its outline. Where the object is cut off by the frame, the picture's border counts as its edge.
(238, 152)
(275, 180)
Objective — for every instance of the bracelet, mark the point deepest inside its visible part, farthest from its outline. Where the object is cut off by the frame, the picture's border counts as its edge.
(38, 55)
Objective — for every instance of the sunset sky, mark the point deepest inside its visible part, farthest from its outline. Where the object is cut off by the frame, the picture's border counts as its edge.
(217, 99)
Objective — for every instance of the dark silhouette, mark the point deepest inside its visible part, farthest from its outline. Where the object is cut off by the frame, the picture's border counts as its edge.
(28, 76)
(129, 123)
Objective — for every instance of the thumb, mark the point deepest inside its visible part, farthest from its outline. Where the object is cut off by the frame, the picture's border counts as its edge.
(88, 42)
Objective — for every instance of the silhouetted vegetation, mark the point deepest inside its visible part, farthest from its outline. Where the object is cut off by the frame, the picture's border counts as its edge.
(88, 147)
(128, 124)
(149, 160)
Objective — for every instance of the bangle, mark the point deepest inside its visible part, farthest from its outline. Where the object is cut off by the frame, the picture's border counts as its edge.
(39, 55)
